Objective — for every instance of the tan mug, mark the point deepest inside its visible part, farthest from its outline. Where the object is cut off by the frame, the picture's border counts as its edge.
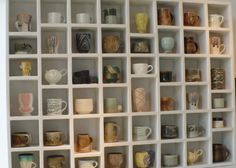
(111, 132)
(56, 161)
(165, 16)
(193, 156)
(53, 138)
(84, 143)
(115, 160)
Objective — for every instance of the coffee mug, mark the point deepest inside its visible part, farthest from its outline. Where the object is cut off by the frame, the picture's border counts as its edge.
(193, 100)
(83, 18)
(166, 76)
(141, 133)
(165, 17)
(217, 78)
(140, 46)
(141, 22)
(56, 161)
(116, 160)
(111, 132)
(54, 138)
(21, 139)
(218, 103)
(144, 159)
(55, 106)
(216, 47)
(216, 20)
(55, 17)
(84, 106)
(23, 22)
(191, 19)
(26, 67)
(142, 68)
(111, 105)
(26, 103)
(169, 131)
(167, 44)
(193, 156)
(220, 153)
(167, 104)
(23, 48)
(110, 16)
(26, 160)
(193, 75)
(84, 143)
(194, 131)
(170, 160)
(87, 164)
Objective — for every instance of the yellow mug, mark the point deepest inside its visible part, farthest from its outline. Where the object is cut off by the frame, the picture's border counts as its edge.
(144, 159)
(141, 22)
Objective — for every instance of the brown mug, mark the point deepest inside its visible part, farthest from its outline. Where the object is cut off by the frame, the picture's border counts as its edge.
(220, 153)
(111, 44)
(53, 138)
(191, 19)
(167, 104)
(57, 161)
(115, 160)
(21, 139)
(190, 46)
(165, 16)
(84, 143)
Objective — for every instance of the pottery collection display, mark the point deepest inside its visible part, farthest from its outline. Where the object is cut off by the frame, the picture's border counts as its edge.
(23, 22)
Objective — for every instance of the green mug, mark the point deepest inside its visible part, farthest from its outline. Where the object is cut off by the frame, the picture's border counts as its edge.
(111, 106)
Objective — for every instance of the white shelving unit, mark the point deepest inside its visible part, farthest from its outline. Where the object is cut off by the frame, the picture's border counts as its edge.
(71, 123)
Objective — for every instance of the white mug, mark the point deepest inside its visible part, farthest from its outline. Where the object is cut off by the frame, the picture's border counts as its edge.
(55, 17)
(83, 18)
(216, 20)
(218, 103)
(142, 133)
(54, 106)
(83, 106)
(142, 68)
(88, 164)
(216, 47)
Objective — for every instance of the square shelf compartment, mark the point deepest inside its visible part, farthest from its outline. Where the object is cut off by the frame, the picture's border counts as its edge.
(48, 6)
(141, 7)
(149, 98)
(221, 37)
(22, 86)
(172, 92)
(199, 145)
(81, 126)
(121, 63)
(28, 126)
(110, 37)
(165, 37)
(55, 94)
(174, 8)
(227, 118)
(65, 153)
(172, 149)
(120, 94)
(90, 44)
(143, 60)
(15, 157)
(196, 64)
(86, 93)
(30, 43)
(142, 45)
(124, 150)
(84, 6)
(122, 123)
(61, 125)
(175, 120)
(120, 7)
(83, 64)
(149, 123)
(199, 37)
(61, 37)
(174, 66)
(201, 121)
(16, 70)
(95, 159)
(202, 95)
(17, 7)
(59, 64)
(221, 101)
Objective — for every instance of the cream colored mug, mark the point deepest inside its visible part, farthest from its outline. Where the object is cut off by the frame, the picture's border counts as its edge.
(111, 132)
(83, 106)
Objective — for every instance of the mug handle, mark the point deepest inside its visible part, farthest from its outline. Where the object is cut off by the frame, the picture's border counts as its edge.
(199, 152)
(222, 47)
(149, 131)
(198, 19)
(227, 153)
(63, 72)
(221, 19)
(34, 165)
(17, 25)
(150, 68)
(64, 107)
(117, 128)
(29, 139)
(95, 164)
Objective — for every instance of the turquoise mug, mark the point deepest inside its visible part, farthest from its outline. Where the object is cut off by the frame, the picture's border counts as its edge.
(26, 160)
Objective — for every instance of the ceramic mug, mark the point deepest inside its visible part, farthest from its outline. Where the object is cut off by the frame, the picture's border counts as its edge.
(217, 78)
(216, 20)
(141, 133)
(193, 156)
(165, 17)
(87, 164)
(141, 22)
(84, 143)
(216, 47)
(21, 139)
(55, 106)
(218, 103)
(54, 138)
(140, 46)
(220, 153)
(55, 17)
(193, 75)
(167, 104)
(166, 76)
(83, 18)
(111, 105)
(167, 44)
(193, 100)
(169, 131)
(115, 160)
(170, 160)
(111, 132)
(26, 67)
(26, 160)
(191, 19)
(56, 161)
(110, 16)
(142, 68)
(23, 22)
(144, 159)
(26, 103)
(194, 131)
(140, 100)
(84, 106)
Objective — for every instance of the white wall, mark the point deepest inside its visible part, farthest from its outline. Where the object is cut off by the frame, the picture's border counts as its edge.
(234, 26)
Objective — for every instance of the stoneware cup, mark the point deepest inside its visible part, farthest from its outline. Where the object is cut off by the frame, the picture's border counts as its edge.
(23, 22)
(55, 106)
(167, 44)
(218, 103)
(56, 161)
(141, 133)
(87, 164)
(55, 17)
(83, 18)
(83, 106)
(165, 16)
(142, 68)
(111, 105)
(115, 160)
(141, 22)
(111, 132)
(25, 103)
(216, 20)
(170, 160)
(54, 138)
(84, 143)
(21, 139)
(26, 160)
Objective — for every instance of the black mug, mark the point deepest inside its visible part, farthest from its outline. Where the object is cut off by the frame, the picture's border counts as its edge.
(220, 153)
(169, 131)
(83, 40)
(166, 76)
(81, 77)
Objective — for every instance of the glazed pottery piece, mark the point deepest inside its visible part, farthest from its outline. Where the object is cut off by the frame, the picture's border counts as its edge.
(220, 153)
(194, 131)
(144, 159)
(165, 17)
(84, 143)
(55, 17)
(142, 68)
(111, 105)
(217, 78)
(26, 160)
(170, 160)
(111, 132)
(26, 103)
(167, 104)
(23, 22)
(110, 16)
(141, 22)
(116, 160)
(193, 100)
(111, 44)
(21, 139)
(84, 106)
(216, 20)
(169, 131)
(26, 67)
(139, 100)
(193, 156)
(23, 48)
(166, 76)
(87, 164)
(54, 138)
(191, 19)
(216, 46)
(84, 40)
(83, 18)
(111, 74)
(140, 46)
(53, 76)
(53, 44)
(55, 106)
(193, 75)
(56, 161)
(190, 46)
(81, 77)
(167, 44)
(218, 103)
(141, 133)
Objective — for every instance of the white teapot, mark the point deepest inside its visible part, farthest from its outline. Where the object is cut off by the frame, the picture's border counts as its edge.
(53, 76)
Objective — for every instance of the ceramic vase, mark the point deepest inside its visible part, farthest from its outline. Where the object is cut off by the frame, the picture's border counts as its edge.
(83, 40)
(139, 100)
